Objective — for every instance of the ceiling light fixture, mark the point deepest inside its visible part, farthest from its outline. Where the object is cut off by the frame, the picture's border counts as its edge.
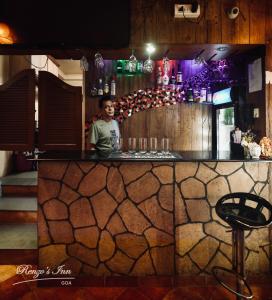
(5, 34)
(150, 48)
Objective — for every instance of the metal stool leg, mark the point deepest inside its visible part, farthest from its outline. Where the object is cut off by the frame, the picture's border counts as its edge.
(238, 267)
(238, 259)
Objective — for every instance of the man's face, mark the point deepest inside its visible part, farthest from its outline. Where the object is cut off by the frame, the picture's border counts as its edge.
(108, 108)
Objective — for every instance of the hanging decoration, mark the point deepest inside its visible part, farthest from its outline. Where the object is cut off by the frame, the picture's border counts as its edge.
(148, 65)
(132, 63)
(84, 65)
(99, 61)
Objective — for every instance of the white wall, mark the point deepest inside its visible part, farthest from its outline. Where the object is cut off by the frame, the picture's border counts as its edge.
(43, 63)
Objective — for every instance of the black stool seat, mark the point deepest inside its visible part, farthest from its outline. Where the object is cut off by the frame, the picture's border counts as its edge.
(242, 215)
(242, 211)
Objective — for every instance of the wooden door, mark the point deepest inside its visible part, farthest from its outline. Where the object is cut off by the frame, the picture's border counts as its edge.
(17, 112)
(60, 113)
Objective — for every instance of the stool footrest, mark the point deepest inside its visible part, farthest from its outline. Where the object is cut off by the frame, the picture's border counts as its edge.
(250, 294)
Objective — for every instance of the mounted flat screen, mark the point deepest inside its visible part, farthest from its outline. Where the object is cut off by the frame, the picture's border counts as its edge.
(63, 24)
(222, 97)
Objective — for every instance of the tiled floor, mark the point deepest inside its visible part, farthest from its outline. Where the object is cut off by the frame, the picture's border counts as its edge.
(18, 236)
(185, 291)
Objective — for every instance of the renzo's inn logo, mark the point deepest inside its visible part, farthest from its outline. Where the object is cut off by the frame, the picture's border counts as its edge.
(60, 273)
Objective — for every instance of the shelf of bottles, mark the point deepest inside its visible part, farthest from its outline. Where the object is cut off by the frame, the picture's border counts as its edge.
(186, 82)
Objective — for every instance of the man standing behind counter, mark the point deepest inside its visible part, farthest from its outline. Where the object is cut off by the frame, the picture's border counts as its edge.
(104, 133)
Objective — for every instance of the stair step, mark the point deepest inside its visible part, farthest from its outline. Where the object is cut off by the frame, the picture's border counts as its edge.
(19, 191)
(20, 184)
(19, 257)
(18, 204)
(24, 178)
(18, 236)
(15, 217)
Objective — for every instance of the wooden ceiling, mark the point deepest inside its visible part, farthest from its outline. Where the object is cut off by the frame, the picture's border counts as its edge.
(175, 51)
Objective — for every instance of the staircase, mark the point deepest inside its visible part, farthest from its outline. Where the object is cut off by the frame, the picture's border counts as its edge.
(18, 219)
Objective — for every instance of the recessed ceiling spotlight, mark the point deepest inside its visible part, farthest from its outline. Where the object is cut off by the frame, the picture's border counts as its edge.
(222, 48)
(150, 48)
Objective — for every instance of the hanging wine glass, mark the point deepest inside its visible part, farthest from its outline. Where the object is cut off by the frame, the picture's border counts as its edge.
(84, 65)
(148, 65)
(98, 61)
(132, 63)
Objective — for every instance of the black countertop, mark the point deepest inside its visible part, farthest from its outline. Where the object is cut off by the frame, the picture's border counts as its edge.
(190, 156)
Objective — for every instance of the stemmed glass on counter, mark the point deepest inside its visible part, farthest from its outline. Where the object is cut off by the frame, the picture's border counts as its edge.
(153, 145)
(148, 146)
(118, 145)
(132, 145)
(165, 146)
(142, 145)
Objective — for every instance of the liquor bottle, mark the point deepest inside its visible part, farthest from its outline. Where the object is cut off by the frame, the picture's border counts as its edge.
(203, 94)
(100, 87)
(119, 66)
(139, 67)
(113, 87)
(165, 79)
(196, 94)
(126, 67)
(159, 77)
(209, 94)
(106, 87)
(179, 75)
(93, 91)
(190, 96)
(173, 80)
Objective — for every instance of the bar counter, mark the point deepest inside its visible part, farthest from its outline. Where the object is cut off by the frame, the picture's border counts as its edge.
(177, 156)
(109, 216)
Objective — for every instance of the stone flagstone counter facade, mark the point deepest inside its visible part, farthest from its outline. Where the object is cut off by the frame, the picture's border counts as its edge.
(140, 219)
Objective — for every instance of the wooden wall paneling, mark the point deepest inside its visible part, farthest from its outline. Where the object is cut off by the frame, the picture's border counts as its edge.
(157, 122)
(210, 129)
(18, 63)
(181, 123)
(150, 21)
(136, 29)
(230, 28)
(268, 30)
(166, 24)
(185, 31)
(268, 93)
(268, 20)
(183, 126)
(243, 22)
(257, 21)
(124, 133)
(205, 128)
(213, 17)
(127, 84)
(268, 89)
(268, 56)
(201, 28)
(172, 125)
(187, 129)
(204, 122)
(196, 127)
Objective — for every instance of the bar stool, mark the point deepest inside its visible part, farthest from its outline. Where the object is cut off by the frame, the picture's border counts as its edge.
(242, 211)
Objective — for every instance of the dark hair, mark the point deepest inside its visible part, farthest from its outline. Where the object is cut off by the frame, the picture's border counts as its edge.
(104, 99)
